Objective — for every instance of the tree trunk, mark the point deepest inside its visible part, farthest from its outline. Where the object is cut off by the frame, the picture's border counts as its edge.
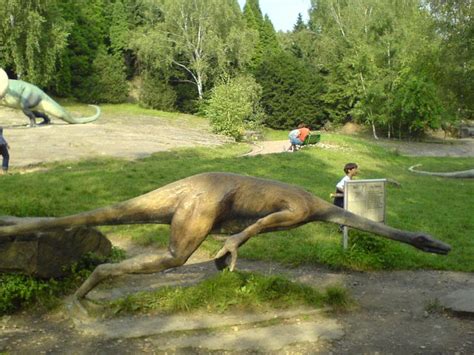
(373, 130)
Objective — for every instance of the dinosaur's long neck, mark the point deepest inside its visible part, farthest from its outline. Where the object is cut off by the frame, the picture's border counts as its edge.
(338, 215)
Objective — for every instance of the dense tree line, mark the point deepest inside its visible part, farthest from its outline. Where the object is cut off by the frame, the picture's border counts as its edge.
(400, 67)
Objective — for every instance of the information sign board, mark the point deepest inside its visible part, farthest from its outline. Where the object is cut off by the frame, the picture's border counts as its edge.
(365, 198)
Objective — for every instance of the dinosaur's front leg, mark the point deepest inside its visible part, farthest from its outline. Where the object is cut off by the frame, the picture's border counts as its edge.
(227, 256)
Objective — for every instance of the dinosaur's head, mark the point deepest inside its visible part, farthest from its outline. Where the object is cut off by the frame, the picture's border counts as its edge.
(430, 245)
(3, 82)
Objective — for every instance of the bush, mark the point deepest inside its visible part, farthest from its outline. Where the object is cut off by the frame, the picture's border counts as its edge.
(234, 106)
(291, 92)
(108, 82)
(157, 94)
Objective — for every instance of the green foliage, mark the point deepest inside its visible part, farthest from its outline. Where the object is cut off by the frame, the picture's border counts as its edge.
(365, 48)
(232, 290)
(234, 106)
(32, 37)
(87, 34)
(156, 93)
(453, 22)
(119, 28)
(21, 290)
(416, 104)
(199, 39)
(107, 83)
(353, 54)
(291, 92)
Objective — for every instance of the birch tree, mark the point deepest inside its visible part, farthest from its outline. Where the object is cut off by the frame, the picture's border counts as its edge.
(201, 38)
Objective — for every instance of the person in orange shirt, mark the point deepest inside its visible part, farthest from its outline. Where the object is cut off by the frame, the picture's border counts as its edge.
(297, 137)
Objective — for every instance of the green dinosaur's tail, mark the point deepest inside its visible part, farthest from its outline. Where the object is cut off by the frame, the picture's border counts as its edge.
(51, 107)
(88, 119)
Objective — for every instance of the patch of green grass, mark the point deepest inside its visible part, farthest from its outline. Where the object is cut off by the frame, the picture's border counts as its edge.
(230, 291)
(274, 134)
(129, 110)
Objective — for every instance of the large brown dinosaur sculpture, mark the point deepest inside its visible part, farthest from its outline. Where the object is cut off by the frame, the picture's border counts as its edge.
(463, 174)
(215, 202)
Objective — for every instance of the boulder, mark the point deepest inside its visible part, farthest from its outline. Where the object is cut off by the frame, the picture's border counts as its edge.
(49, 254)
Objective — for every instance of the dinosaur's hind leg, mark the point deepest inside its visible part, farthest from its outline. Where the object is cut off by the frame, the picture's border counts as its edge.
(189, 227)
(46, 119)
(143, 263)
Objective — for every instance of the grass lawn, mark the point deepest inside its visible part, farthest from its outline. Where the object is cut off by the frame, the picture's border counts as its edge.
(441, 207)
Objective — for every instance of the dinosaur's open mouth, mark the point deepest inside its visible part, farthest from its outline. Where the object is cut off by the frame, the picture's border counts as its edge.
(3, 82)
(443, 250)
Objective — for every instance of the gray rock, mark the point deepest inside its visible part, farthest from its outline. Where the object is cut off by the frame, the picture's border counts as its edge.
(460, 301)
(49, 254)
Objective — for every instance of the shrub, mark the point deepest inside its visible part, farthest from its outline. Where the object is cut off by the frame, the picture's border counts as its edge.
(108, 82)
(291, 92)
(157, 94)
(234, 106)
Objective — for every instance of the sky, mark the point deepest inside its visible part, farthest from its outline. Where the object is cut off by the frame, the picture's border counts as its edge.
(283, 13)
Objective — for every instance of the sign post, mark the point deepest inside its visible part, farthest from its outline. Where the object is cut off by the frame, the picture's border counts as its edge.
(365, 198)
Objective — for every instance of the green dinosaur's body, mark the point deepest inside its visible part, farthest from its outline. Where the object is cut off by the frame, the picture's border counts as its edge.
(34, 103)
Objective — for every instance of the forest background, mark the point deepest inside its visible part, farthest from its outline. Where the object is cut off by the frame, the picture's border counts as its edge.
(401, 67)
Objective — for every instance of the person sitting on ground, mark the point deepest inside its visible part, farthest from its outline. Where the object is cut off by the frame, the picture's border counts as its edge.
(4, 152)
(297, 137)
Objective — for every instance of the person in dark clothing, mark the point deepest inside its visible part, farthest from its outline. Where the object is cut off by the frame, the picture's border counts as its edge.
(4, 152)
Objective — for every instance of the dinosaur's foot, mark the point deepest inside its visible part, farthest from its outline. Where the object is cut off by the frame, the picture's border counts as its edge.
(223, 261)
(76, 309)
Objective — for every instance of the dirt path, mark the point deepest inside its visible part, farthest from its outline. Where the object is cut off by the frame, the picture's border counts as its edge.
(116, 136)
(450, 148)
(397, 313)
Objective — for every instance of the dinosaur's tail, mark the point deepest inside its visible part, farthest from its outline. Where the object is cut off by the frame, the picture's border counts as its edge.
(51, 107)
(78, 120)
(128, 212)
(464, 174)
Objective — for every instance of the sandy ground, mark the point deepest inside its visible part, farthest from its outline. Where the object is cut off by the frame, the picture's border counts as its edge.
(114, 136)
(396, 312)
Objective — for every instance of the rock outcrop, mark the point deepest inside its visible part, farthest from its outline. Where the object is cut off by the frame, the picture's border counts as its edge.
(48, 254)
